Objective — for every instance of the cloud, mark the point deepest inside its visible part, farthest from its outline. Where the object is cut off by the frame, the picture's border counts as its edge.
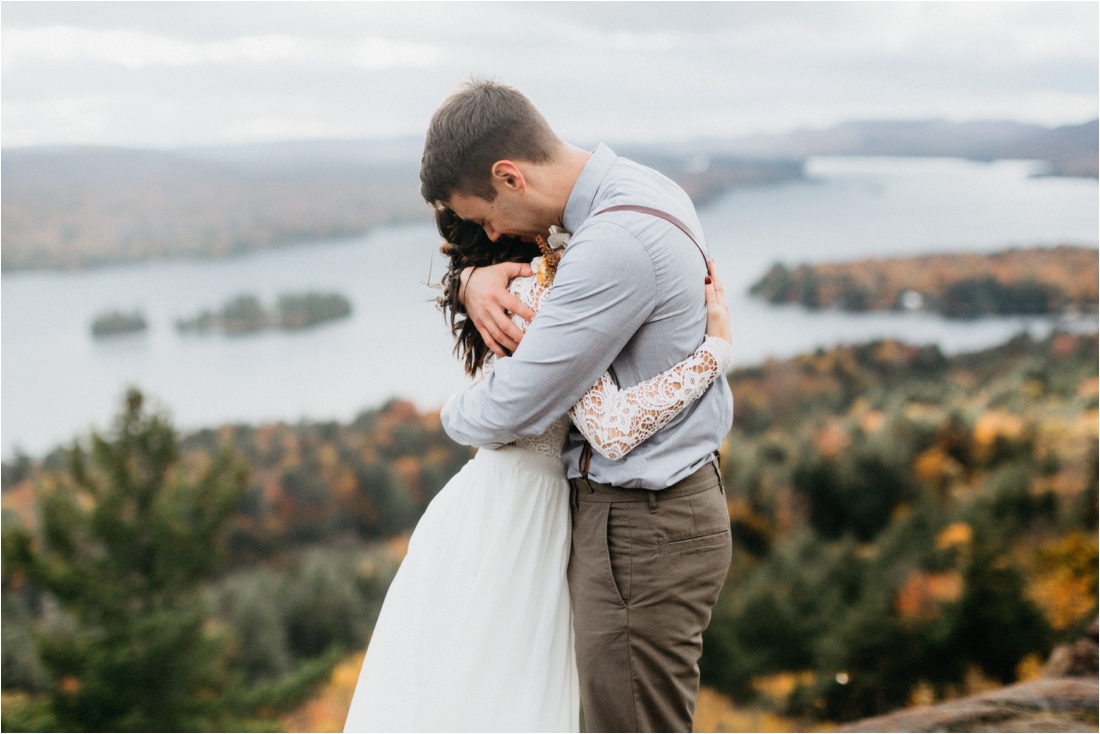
(165, 74)
(136, 50)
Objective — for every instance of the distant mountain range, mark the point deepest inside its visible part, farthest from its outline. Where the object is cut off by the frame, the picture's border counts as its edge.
(71, 207)
(1071, 149)
(76, 207)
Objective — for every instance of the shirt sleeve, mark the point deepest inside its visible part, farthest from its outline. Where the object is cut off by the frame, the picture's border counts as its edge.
(604, 290)
(615, 421)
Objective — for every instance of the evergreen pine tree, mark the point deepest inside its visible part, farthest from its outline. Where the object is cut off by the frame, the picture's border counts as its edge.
(125, 540)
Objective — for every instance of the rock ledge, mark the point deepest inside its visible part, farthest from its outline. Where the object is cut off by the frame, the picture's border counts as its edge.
(1065, 699)
(1043, 705)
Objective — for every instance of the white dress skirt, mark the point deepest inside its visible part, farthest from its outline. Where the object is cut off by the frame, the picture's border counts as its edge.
(476, 631)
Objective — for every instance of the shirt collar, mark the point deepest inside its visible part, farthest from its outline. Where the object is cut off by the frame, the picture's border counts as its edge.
(583, 197)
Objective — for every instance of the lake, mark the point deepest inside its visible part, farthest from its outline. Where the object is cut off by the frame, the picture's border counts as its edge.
(57, 382)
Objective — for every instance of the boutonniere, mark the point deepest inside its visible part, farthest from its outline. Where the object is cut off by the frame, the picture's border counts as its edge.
(548, 265)
(551, 254)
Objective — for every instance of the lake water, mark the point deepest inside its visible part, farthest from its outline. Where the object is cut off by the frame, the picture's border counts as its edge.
(57, 381)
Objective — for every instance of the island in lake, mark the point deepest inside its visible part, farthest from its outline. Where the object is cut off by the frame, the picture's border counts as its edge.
(1028, 281)
(118, 323)
(245, 313)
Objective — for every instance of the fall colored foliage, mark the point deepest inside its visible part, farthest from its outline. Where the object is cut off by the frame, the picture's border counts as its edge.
(909, 527)
(1036, 280)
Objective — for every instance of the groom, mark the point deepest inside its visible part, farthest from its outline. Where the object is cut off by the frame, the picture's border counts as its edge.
(651, 540)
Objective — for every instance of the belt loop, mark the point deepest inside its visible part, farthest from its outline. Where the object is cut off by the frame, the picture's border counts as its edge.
(718, 473)
(652, 501)
(574, 502)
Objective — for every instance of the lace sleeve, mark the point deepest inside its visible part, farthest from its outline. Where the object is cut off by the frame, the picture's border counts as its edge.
(529, 291)
(615, 421)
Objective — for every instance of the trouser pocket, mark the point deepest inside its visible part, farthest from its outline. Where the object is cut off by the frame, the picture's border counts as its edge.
(697, 542)
(619, 550)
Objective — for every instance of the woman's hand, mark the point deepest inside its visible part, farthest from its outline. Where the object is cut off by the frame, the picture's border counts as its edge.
(718, 313)
(484, 293)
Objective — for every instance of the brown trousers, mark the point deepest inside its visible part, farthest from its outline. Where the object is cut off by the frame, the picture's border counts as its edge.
(644, 574)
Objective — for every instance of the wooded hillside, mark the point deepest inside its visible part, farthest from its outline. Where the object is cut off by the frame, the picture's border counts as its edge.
(1035, 281)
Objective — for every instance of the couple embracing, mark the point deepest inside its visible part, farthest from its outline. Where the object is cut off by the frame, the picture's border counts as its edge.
(578, 555)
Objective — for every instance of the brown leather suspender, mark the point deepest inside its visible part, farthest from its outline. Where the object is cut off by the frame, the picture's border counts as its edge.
(660, 215)
(586, 451)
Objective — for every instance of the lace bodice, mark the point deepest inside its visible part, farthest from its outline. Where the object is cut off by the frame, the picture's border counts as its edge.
(613, 420)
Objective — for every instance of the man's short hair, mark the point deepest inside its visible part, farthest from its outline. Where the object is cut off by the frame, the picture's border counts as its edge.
(481, 123)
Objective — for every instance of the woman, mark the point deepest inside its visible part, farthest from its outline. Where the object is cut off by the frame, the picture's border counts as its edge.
(475, 633)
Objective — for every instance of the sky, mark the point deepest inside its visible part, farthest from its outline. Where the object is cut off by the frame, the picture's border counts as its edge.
(172, 74)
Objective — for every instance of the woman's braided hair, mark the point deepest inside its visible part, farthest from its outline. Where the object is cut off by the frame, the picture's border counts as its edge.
(465, 244)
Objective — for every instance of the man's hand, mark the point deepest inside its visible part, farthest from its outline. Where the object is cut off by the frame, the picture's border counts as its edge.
(484, 293)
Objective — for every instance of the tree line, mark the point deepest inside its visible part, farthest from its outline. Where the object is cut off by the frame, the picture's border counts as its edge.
(907, 526)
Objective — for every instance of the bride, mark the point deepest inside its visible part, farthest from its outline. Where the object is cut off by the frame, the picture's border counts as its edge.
(476, 633)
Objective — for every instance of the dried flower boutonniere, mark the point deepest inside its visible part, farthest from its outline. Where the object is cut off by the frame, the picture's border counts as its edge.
(548, 267)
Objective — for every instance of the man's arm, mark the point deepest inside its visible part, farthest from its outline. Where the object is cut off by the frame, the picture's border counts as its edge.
(603, 292)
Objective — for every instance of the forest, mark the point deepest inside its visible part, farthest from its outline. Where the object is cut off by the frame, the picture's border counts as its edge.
(1024, 281)
(909, 527)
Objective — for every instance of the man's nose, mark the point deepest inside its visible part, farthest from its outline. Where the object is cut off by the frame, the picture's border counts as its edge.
(491, 233)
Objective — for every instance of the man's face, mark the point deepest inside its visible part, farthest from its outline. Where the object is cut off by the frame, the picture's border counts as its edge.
(504, 215)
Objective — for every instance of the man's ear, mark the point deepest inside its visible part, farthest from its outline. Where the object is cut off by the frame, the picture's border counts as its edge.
(508, 177)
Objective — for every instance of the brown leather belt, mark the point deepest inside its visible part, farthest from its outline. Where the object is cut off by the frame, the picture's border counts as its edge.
(705, 477)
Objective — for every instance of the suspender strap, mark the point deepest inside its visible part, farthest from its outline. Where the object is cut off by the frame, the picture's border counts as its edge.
(586, 451)
(660, 215)
(586, 461)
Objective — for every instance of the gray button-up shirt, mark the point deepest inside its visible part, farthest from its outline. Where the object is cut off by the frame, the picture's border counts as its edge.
(628, 295)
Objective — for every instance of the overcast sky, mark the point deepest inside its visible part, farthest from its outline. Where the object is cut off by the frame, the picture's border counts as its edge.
(168, 74)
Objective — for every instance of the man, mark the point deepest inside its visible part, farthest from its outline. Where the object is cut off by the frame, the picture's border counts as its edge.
(651, 542)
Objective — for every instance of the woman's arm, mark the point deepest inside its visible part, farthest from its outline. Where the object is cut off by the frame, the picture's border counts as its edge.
(615, 421)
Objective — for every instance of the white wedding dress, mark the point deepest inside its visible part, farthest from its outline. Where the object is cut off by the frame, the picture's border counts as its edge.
(476, 633)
